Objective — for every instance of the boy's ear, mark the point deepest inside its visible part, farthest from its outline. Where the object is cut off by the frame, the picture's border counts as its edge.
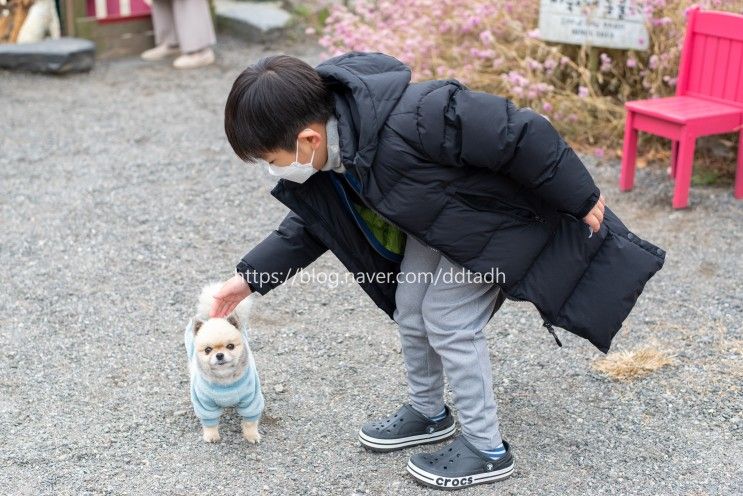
(311, 135)
(197, 325)
(232, 319)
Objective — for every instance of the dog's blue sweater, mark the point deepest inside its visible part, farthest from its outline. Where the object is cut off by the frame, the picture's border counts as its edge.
(209, 399)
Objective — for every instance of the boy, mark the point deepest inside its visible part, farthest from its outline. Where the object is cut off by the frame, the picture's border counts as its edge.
(414, 181)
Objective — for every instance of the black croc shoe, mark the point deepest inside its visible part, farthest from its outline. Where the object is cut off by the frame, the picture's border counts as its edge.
(459, 465)
(404, 428)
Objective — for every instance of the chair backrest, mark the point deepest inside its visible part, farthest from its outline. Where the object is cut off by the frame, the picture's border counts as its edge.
(711, 63)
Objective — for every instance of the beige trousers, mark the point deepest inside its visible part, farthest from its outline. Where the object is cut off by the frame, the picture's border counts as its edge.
(183, 22)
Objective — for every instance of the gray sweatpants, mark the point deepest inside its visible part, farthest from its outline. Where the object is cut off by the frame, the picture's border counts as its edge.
(441, 325)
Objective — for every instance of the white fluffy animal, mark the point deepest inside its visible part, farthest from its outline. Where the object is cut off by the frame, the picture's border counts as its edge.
(42, 18)
(222, 368)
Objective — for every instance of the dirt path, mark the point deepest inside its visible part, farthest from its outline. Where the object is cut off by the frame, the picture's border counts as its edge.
(121, 197)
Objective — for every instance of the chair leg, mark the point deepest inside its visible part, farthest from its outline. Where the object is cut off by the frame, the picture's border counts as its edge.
(674, 158)
(683, 170)
(629, 154)
(739, 170)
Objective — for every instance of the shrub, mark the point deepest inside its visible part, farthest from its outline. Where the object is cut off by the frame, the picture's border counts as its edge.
(494, 45)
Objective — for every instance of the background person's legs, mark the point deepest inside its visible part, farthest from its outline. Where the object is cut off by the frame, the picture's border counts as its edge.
(166, 41)
(193, 25)
(455, 313)
(425, 375)
(164, 23)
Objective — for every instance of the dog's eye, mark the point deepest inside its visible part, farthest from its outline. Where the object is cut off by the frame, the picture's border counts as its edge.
(207, 350)
(230, 346)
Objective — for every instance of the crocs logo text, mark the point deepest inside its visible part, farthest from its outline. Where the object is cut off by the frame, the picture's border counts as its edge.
(463, 481)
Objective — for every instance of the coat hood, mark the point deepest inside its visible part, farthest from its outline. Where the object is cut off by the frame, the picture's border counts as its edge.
(366, 87)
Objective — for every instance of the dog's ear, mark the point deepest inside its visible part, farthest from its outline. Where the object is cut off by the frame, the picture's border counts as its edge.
(232, 319)
(197, 325)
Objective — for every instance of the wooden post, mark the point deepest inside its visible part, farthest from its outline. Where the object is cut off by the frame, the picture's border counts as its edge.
(593, 66)
(68, 17)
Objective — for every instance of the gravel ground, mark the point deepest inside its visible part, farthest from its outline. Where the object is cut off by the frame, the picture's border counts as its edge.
(121, 198)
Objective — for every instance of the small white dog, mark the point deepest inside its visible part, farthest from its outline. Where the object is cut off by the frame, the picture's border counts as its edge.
(223, 372)
(42, 18)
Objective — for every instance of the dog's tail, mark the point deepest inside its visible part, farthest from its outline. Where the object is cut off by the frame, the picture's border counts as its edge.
(206, 299)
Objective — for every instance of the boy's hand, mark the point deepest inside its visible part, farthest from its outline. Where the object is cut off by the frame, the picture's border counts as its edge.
(232, 292)
(596, 216)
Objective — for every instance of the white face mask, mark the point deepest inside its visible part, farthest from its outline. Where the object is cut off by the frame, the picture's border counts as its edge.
(295, 171)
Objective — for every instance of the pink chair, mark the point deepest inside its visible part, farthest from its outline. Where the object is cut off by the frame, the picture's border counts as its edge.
(709, 100)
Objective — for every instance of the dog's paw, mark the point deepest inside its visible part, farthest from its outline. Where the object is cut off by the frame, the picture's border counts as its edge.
(250, 432)
(252, 437)
(211, 434)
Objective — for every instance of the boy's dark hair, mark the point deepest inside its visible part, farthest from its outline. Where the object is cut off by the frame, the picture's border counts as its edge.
(270, 102)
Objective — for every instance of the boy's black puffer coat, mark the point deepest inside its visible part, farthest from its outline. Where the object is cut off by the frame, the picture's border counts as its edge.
(491, 186)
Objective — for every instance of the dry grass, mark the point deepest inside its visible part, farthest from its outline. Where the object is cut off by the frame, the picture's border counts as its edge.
(630, 365)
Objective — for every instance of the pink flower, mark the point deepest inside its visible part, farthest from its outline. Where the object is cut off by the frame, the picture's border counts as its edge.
(471, 23)
(605, 63)
(547, 107)
(517, 79)
(631, 62)
(534, 65)
(599, 152)
(487, 37)
(482, 54)
(582, 91)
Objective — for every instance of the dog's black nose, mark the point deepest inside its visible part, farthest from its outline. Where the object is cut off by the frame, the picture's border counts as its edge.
(220, 356)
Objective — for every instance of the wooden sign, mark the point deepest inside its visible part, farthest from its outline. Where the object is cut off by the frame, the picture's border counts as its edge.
(598, 23)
